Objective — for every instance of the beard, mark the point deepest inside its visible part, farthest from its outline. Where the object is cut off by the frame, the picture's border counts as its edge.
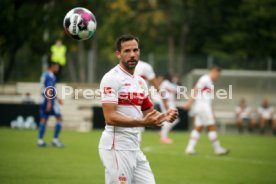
(130, 64)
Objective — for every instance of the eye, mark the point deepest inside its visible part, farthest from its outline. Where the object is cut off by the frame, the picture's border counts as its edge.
(127, 50)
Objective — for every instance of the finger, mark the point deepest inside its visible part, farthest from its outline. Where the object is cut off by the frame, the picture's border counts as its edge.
(171, 111)
(163, 119)
(171, 118)
(161, 116)
(174, 113)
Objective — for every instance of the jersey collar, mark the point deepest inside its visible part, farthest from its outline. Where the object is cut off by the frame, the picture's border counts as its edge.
(51, 73)
(125, 72)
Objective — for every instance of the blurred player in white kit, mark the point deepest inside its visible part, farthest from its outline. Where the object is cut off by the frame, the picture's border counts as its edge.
(168, 90)
(146, 71)
(203, 112)
(244, 116)
(266, 115)
(127, 107)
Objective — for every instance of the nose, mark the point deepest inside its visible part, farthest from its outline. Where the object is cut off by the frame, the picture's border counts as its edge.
(132, 53)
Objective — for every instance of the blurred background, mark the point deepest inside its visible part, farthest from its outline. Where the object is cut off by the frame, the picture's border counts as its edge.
(180, 37)
(176, 36)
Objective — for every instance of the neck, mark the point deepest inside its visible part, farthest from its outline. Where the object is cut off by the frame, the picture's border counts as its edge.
(50, 71)
(210, 75)
(130, 71)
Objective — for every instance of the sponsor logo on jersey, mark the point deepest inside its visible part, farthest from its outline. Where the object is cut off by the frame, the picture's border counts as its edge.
(107, 90)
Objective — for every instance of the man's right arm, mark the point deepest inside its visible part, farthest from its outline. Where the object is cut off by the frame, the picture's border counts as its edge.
(112, 117)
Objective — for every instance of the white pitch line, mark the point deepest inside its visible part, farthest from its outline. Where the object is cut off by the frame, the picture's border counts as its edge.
(223, 158)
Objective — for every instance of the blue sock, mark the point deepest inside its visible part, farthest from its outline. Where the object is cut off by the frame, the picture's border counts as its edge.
(58, 127)
(41, 130)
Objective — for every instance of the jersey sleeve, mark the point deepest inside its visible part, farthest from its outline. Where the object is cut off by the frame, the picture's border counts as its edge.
(204, 84)
(146, 100)
(200, 83)
(150, 73)
(109, 89)
(171, 87)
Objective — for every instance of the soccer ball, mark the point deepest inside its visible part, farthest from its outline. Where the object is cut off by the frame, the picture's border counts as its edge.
(80, 24)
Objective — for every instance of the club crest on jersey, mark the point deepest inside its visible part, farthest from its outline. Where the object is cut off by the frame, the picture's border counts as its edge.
(122, 179)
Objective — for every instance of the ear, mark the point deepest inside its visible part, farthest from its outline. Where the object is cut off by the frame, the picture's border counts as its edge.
(118, 54)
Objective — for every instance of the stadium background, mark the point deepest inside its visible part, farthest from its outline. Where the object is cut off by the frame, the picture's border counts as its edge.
(181, 37)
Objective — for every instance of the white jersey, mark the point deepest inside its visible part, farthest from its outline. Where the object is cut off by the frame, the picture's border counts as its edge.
(168, 90)
(130, 93)
(266, 113)
(243, 113)
(205, 89)
(144, 70)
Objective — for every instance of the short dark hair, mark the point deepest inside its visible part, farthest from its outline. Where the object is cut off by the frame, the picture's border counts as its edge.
(215, 67)
(51, 63)
(124, 38)
(168, 77)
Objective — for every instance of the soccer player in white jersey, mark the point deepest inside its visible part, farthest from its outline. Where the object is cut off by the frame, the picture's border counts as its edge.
(244, 115)
(203, 112)
(146, 71)
(168, 90)
(126, 107)
(266, 114)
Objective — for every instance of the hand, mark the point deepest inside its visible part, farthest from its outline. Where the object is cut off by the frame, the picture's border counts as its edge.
(171, 115)
(60, 101)
(154, 118)
(187, 106)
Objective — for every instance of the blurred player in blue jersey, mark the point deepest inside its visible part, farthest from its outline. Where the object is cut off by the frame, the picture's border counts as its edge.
(49, 105)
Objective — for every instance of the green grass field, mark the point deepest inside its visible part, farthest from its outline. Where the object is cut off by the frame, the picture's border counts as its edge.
(252, 159)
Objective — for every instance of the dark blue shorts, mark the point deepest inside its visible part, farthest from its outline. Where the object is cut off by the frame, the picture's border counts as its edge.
(55, 111)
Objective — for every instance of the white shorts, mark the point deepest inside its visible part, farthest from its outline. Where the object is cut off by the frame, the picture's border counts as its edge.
(204, 117)
(126, 167)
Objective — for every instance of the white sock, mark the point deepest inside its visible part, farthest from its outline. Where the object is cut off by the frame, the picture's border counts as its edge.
(55, 140)
(214, 139)
(195, 135)
(166, 128)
